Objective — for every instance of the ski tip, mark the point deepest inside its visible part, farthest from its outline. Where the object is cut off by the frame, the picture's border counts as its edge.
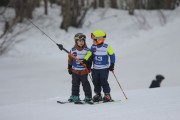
(111, 101)
(61, 102)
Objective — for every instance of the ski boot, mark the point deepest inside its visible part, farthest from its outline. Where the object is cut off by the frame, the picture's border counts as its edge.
(107, 97)
(74, 98)
(97, 97)
(87, 99)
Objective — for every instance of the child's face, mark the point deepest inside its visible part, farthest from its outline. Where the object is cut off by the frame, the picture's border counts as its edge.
(80, 43)
(94, 42)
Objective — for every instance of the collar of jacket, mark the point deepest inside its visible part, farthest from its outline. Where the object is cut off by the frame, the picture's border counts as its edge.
(100, 45)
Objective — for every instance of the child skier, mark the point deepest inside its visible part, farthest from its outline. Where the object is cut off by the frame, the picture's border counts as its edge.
(100, 53)
(78, 72)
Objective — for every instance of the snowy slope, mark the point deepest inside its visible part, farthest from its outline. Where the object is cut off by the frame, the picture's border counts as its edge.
(146, 104)
(33, 75)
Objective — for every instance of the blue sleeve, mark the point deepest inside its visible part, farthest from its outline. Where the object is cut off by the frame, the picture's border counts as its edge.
(112, 58)
(91, 49)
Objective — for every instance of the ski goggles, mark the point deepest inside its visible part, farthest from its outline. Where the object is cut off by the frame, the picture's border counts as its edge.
(80, 37)
(97, 38)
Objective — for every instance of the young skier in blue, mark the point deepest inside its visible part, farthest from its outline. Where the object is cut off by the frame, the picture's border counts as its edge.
(100, 53)
(78, 72)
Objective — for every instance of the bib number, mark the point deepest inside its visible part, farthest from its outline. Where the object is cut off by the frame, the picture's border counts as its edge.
(98, 58)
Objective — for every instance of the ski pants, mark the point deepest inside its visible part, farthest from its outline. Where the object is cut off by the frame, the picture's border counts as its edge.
(100, 80)
(76, 81)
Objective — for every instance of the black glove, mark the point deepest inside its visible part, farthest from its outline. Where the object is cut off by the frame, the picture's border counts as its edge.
(60, 46)
(85, 62)
(111, 67)
(88, 64)
(70, 69)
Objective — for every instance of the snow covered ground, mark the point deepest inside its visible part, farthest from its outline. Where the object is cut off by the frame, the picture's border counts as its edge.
(146, 104)
(33, 74)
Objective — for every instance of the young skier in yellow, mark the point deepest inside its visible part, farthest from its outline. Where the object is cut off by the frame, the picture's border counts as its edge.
(100, 53)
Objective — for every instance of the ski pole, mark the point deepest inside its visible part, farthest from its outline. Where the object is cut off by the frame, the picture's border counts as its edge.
(62, 48)
(119, 85)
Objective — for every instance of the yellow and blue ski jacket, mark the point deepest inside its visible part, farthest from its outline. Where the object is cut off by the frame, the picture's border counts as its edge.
(101, 54)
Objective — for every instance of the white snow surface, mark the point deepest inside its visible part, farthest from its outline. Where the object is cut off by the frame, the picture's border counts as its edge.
(33, 74)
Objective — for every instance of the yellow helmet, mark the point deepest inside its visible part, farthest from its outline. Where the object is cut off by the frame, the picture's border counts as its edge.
(99, 36)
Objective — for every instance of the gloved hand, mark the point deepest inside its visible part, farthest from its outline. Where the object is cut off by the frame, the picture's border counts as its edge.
(70, 69)
(85, 62)
(88, 64)
(60, 46)
(111, 67)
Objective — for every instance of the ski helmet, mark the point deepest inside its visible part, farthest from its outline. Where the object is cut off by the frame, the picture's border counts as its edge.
(80, 36)
(99, 36)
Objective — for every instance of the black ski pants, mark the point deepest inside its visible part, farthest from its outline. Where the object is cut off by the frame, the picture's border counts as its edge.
(76, 81)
